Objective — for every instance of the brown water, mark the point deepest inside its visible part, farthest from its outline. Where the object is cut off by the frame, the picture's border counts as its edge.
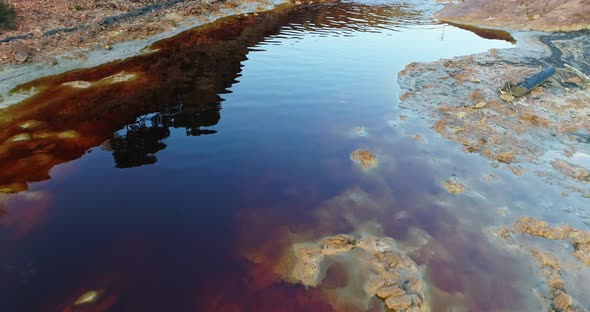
(182, 187)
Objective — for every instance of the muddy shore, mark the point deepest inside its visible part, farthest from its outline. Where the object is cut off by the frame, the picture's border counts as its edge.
(543, 133)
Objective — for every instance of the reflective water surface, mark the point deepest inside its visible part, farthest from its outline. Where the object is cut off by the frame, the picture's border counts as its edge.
(177, 180)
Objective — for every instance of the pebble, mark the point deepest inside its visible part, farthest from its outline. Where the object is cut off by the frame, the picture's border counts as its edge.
(479, 105)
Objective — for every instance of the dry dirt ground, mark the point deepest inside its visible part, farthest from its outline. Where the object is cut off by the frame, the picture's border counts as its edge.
(49, 28)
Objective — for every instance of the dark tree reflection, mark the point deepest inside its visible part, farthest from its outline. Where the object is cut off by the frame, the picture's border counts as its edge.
(137, 143)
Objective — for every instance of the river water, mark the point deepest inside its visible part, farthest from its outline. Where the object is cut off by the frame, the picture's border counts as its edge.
(178, 183)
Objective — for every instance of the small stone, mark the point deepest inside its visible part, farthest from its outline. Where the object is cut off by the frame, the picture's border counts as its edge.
(389, 291)
(77, 84)
(365, 158)
(506, 158)
(88, 297)
(399, 303)
(21, 52)
(70, 134)
(580, 237)
(474, 80)
(374, 283)
(555, 281)
(94, 28)
(479, 105)
(106, 47)
(454, 187)
(37, 33)
(30, 124)
(507, 97)
(44, 134)
(562, 300)
(338, 244)
(20, 137)
(417, 286)
(461, 115)
(535, 17)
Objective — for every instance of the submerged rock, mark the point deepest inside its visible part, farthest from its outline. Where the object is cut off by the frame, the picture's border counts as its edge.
(454, 187)
(307, 269)
(359, 131)
(89, 297)
(571, 170)
(508, 130)
(77, 84)
(552, 268)
(19, 137)
(365, 158)
(338, 244)
(390, 274)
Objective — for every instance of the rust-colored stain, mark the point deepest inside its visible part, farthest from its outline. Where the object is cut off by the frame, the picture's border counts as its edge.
(486, 33)
(78, 110)
(181, 80)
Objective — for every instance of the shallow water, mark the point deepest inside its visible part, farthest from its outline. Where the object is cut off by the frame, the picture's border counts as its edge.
(181, 189)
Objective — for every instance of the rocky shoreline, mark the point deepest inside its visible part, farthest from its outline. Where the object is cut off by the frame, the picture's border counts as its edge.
(50, 31)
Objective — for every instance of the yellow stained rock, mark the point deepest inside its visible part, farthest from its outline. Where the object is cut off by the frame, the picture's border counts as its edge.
(506, 158)
(20, 137)
(30, 124)
(479, 105)
(338, 244)
(120, 77)
(506, 97)
(454, 187)
(562, 300)
(402, 303)
(385, 265)
(77, 84)
(365, 158)
(89, 297)
(44, 134)
(70, 134)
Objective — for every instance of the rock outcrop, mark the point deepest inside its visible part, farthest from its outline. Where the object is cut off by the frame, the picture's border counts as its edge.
(390, 274)
(552, 15)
